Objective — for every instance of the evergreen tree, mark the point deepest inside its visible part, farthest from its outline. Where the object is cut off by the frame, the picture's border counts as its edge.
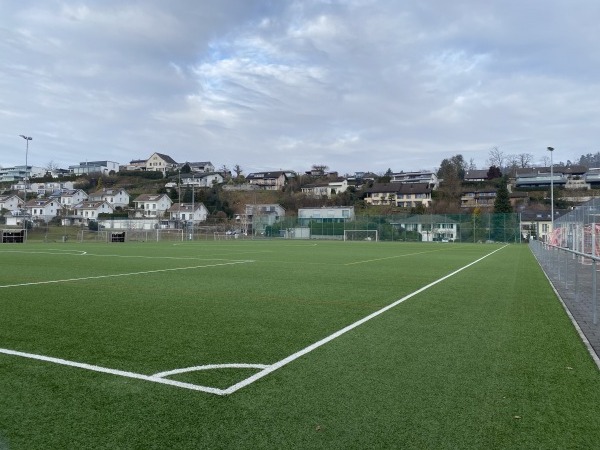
(502, 203)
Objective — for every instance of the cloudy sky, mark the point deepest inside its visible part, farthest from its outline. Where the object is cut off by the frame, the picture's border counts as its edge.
(284, 84)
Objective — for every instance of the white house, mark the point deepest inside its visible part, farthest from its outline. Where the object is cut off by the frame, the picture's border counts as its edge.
(72, 197)
(152, 205)
(10, 202)
(115, 197)
(426, 177)
(201, 179)
(43, 209)
(325, 214)
(203, 166)
(159, 162)
(431, 227)
(89, 210)
(187, 212)
(103, 167)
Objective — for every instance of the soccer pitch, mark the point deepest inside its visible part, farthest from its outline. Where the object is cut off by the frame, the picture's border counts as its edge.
(272, 344)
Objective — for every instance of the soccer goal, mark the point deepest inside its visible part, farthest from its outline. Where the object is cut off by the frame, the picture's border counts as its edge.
(13, 236)
(361, 235)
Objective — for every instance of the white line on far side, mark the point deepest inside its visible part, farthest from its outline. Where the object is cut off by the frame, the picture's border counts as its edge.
(174, 269)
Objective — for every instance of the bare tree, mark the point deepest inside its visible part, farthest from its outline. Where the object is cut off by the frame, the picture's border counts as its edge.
(525, 160)
(51, 166)
(496, 157)
(512, 164)
(322, 168)
(472, 165)
(238, 170)
(546, 161)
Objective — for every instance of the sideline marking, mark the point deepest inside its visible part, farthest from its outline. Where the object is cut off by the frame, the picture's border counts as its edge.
(267, 369)
(396, 256)
(67, 280)
(331, 337)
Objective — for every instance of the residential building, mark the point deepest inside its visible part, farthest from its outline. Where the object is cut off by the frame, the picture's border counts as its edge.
(271, 181)
(325, 188)
(203, 166)
(478, 197)
(403, 195)
(422, 177)
(71, 197)
(43, 209)
(476, 175)
(188, 212)
(537, 224)
(540, 177)
(258, 216)
(89, 210)
(431, 227)
(325, 214)
(20, 173)
(152, 205)
(114, 197)
(198, 179)
(102, 167)
(159, 162)
(48, 188)
(10, 202)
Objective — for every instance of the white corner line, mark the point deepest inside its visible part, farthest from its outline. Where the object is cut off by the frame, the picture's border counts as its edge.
(331, 337)
(121, 373)
(210, 367)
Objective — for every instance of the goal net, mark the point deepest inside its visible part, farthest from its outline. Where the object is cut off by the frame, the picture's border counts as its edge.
(13, 236)
(361, 235)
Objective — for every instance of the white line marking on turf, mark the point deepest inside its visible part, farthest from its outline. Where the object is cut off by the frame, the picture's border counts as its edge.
(121, 373)
(393, 257)
(266, 369)
(97, 277)
(331, 337)
(210, 367)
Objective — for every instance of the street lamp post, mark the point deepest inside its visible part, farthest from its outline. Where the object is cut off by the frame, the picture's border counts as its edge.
(27, 139)
(551, 150)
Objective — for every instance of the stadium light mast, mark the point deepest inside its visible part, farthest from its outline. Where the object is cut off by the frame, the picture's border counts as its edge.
(551, 150)
(27, 139)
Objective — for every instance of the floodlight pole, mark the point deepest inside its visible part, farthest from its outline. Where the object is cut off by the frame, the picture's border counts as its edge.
(27, 139)
(551, 150)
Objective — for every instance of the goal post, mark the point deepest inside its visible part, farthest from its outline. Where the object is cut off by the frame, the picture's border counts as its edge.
(361, 235)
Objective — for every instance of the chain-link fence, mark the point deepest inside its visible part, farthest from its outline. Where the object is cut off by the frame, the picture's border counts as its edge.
(570, 260)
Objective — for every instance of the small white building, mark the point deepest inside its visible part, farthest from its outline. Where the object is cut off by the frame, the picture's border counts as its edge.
(115, 197)
(72, 197)
(102, 167)
(188, 212)
(198, 179)
(152, 205)
(10, 202)
(325, 214)
(89, 210)
(43, 209)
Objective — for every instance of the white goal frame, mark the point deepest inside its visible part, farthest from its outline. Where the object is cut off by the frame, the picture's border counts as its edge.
(363, 235)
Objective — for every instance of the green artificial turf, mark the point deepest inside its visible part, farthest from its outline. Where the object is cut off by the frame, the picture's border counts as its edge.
(485, 358)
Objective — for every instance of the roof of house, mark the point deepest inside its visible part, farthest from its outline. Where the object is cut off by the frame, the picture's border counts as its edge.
(87, 204)
(476, 174)
(166, 158)
(150, 197)
(399, 188)
(186, 207)
(427, 218)
(263, 175)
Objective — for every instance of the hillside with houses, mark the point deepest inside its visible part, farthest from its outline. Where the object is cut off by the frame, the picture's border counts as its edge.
(160, 192)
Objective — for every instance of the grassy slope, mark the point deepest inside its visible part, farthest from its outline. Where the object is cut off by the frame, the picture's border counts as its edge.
(485, 359)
